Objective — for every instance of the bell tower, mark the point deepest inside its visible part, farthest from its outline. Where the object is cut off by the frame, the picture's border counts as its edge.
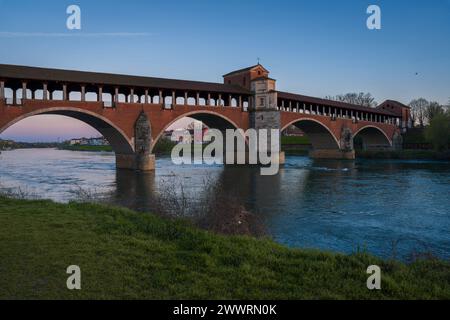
(263, 108)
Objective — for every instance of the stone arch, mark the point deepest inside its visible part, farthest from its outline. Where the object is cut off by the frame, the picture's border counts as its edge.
(209, 118)
(321, 136)
(372, 137)
(119, 141)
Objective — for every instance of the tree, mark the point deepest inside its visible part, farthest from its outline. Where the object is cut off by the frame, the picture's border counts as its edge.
(418, 107)
(438, 132)
(360, 99)
(432, 110)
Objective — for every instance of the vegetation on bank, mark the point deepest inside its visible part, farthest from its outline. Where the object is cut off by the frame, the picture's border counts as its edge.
(90, 148)
(164, 146)
(403, 154)
(295, 140)
(130, 255)
(438, 132)
(10, 145)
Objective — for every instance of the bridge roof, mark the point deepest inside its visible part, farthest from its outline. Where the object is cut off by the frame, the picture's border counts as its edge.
(58, 75)
(331, 103)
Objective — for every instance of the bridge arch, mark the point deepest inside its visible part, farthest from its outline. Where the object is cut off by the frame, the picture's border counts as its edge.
(371, 136)
(320, 135)
(210, 118)
(118, 140)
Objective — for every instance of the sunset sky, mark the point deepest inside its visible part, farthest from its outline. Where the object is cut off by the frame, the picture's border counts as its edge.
(314, 48)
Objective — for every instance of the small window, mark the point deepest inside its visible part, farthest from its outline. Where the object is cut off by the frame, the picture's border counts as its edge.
(261, 102)
(229, 81)
(244, 81)
(259, 73)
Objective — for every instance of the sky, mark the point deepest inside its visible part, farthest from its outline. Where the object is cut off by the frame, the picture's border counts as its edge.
(316, 48)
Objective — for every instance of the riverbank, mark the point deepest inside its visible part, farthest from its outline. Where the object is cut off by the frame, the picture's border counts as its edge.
(125, 254)
(85, 148)
(403, 154)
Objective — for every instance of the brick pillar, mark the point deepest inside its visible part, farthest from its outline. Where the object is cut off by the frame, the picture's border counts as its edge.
(65, 92)
(24, 91)
(2, 89)
(83, 93)
(116, 95)
(100, 94)
(131, 99)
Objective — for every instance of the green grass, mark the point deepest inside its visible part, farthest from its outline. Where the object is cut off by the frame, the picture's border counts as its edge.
(86, 148)
(124, 254)
(289, 140)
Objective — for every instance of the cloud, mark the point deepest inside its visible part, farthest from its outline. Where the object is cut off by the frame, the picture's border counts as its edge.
(5, 34)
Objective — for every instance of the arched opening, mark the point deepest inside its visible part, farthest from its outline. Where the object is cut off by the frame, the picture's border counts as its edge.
(114, 135)
(174, 131)
(310, 135)
(370, 138)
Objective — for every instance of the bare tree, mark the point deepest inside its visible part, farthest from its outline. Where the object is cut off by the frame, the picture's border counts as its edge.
(418, 111)
(360, 99)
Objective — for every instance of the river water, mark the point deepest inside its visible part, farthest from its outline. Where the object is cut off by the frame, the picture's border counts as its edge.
(388, 208)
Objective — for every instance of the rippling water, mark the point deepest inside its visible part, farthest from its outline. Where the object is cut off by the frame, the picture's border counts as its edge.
(340, 206)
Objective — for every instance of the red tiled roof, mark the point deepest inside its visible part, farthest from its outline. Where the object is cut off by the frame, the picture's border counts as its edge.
(244, 69)
(44, 74)
(331, 103)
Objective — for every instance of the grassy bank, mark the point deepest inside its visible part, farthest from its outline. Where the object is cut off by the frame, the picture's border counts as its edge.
(403, 154)
(294, 145)
(124, 254)
(295, 140)
(86, 148)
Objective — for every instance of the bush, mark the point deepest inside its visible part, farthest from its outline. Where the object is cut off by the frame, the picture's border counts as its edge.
(164, 146)
(438, 132)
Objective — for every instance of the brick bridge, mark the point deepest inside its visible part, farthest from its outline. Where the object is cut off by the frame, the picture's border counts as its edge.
(133, 112)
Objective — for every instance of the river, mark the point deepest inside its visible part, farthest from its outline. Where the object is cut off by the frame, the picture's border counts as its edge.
(388, 208)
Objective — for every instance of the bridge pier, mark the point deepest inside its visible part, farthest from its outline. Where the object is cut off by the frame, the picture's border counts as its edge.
(141, 159)
(136, 162)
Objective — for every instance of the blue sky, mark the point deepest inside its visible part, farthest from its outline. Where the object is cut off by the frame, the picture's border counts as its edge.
(314, 48)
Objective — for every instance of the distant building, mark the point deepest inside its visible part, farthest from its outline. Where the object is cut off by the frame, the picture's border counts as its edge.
(98, 142)
(187, 135)
(293, 131)
(73, 142)
(89, 142)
